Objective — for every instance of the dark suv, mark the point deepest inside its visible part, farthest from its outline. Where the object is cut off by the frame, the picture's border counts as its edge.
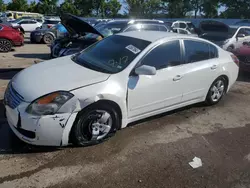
(81, 34)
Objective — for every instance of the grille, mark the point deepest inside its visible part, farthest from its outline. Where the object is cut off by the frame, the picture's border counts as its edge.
(12, 98)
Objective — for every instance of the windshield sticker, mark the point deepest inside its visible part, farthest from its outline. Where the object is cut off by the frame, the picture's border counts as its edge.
(133, 49)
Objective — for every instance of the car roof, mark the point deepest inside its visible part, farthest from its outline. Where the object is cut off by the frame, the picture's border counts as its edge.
(153, 36)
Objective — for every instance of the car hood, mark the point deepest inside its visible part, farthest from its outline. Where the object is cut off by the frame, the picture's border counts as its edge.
(61, 74)
(76, 25)
(213, 26)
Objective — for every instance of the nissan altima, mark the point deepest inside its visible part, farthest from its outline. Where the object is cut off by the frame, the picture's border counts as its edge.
(85, 98)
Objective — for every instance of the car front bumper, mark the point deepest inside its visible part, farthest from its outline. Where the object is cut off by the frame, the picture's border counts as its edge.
(49, 130)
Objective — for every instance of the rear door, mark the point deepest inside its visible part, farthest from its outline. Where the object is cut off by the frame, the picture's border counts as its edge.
(25, 25)
(201, 68)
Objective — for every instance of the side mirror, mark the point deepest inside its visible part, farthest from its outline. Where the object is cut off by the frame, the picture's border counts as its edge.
(240, 36)
(145, 70)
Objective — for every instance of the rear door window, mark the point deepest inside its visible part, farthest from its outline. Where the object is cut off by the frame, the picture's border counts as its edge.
(199, 51)
(183, 25)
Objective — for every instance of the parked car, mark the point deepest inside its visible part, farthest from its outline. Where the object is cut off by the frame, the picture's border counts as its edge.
(238, 36)
(187, 25)
(47, 36)
(215, 31)
(49, 23)
(85, 98)
(243, 54)
(79, 39)
(28, 24)
(10, 37)
(184, 31)
(15, 26)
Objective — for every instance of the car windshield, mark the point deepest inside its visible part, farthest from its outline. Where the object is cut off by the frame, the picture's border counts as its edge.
(112, 54)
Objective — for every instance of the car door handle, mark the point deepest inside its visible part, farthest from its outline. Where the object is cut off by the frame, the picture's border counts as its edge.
(176, 78)
(214, 67)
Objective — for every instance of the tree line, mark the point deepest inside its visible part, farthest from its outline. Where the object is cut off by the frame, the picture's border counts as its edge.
(136, 8)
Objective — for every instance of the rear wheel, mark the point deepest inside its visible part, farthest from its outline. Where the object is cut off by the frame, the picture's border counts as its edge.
(94, 125)
(5, 45)
(48, 38)
(216, 91)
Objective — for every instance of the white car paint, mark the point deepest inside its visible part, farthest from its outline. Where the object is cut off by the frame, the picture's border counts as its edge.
(138, 97)
(29, 25)
(236, 42)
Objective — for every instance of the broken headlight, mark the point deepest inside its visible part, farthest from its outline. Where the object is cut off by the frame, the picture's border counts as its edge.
(49, 104)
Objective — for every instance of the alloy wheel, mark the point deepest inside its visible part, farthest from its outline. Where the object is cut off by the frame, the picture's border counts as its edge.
(217, 90)
(5, 46)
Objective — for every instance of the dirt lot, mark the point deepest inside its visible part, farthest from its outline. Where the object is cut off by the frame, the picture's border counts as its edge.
(150, 153)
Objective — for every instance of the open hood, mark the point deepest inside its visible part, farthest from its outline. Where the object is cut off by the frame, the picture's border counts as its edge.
(213, 26)
(76, 25)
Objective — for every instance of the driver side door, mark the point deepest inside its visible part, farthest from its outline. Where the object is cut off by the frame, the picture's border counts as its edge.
(149, 93)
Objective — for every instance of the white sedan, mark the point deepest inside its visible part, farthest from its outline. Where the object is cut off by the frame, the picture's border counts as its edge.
(85, 98)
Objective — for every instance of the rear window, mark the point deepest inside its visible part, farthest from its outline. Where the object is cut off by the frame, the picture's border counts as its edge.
(215, 27)
(111, 55)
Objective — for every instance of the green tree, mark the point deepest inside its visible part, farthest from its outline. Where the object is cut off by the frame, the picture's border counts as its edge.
(85, 6)
(111, 8)
(210, 8)
(135, 8)
(18, 5)
(68, 6)
(236, 9)
(178, 9)
(2, 6)
(47, 6)
(151, 8)
(33, 7)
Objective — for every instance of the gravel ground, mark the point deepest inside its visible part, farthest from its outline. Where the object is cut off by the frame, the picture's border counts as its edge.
(151, 153)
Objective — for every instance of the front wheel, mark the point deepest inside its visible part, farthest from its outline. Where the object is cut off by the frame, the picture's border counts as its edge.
(216, 91)
(5, 45)
(94, 124)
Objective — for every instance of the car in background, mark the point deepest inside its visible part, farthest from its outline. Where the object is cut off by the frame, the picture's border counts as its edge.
(81, 34)
(187, 25)
(184, 31)
(243, 54)
(10, 37)
(85, 98)
(215, 31)
(28, 24)
(48, 23)
(239, 35)
(15, 26)
(47, 36)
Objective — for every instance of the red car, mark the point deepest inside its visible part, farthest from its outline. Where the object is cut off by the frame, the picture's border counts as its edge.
(243, 54)
(10, 37)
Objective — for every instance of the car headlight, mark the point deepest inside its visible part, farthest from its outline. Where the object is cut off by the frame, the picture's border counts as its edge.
(49, 104)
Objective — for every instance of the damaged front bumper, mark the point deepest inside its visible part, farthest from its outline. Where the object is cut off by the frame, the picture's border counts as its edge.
(49, 130)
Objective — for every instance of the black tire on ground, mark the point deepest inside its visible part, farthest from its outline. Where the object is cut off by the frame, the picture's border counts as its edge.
(48, 38)
(5, 45)
(216, 91)
(82, 130)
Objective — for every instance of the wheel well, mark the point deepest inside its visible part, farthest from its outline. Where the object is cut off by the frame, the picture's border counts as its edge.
(107, 102)
(226, 79)
(114, 105)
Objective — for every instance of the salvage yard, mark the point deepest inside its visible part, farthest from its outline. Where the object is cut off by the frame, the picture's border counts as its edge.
(153, 153)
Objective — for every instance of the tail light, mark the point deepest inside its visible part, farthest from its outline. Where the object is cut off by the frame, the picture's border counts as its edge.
(49, 25)
(235, 59)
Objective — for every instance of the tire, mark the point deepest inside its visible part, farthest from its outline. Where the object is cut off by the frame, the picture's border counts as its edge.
(48, 38)
(216, 91)
(94, 125)
(5, 45)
